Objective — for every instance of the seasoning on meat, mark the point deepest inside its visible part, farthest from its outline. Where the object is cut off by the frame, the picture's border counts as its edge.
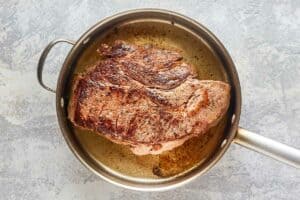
(145, 97)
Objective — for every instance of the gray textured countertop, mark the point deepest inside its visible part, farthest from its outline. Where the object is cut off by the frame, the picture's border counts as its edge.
(35, 162)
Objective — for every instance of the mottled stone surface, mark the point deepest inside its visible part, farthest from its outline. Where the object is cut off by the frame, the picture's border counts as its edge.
(263, 39)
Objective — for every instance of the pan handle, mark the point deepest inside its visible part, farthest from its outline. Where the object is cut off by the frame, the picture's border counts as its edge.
(268, 147)
(43, 58)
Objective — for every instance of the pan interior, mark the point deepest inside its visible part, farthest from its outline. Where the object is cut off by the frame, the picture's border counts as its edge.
(192, 153)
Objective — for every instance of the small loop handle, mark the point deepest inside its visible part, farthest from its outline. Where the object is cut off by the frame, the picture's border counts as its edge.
(43, 58)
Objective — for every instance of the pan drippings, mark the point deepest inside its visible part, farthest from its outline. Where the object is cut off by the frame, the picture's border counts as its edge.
(182, 158)
(120, 158)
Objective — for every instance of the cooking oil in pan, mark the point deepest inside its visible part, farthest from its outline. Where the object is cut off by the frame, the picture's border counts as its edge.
(120, 158)
(193, 152)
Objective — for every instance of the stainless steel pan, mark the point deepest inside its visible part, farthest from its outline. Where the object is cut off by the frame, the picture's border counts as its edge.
(115, 163)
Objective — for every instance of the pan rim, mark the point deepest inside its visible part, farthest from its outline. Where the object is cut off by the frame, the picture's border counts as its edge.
(139, 184)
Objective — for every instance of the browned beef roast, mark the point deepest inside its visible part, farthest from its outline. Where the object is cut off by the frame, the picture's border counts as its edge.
(145, 97)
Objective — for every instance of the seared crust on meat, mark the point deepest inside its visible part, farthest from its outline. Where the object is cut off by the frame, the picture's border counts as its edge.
(145, 97)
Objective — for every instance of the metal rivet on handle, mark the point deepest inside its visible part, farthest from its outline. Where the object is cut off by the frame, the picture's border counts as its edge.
(232, 118)
(223, 143)
(62, 102)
